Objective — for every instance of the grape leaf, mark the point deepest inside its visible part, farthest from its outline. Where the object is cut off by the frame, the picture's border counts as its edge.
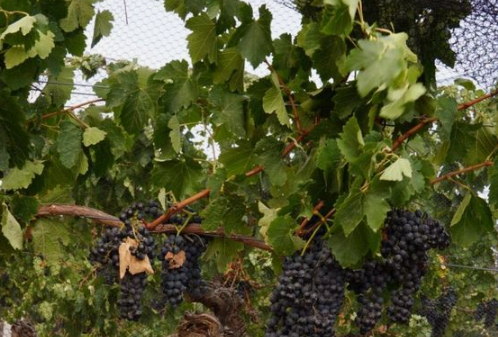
(351, 140)
(239, 160)
(69, 143)
(329, 58)
(21, 178)
(273, 101)
(309, 38)
(378, 61)
(230, 68)
(224, 250)
(493, 184)
(281, 236)
(11, 228)
(446, 114)
(42, 48)
(337, 21)
(269, 214)
(349, 250)
(24, 208)
(13, 136)
(399, 98)
(24, 25)
(175, 134)
(345, 101)
(183, 90)
(103, 26)
(202, 41)
(80, 13)
(471, 221)
(228, 110)
(395, 172)
(225, 212)
(255, 38)
(93, 136)
(182, 177)
(48, 237)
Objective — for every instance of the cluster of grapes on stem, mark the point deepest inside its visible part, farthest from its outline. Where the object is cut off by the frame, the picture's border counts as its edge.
(438, 312)
(487, 310)
(309, 295)
(105, 255)
(408, 237)
(181, 271)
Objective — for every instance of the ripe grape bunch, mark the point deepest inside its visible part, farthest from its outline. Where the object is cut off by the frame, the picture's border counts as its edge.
(309, 295)
(438, 312)
(408, 237)
(181, 271)
(106, 255)
(487, 310)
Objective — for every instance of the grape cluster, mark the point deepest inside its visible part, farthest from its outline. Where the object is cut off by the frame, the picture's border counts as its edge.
(187, 276)
(407, 238)
(105, 255)
(130, 301)
(309, 295)
(437, 312)
(487, 310)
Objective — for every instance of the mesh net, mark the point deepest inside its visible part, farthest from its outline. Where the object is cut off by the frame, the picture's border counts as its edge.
(461, 34)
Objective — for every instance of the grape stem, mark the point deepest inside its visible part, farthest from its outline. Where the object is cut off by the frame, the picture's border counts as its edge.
(462, 171)
(424, 122)
(71, 108)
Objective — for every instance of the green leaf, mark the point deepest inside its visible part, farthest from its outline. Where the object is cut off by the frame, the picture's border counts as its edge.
(349, 250)
(103, 26)
(255, 42)
(339, 22)
(379, 61)
(225, 212)
(24, 25)
(309, 38)
(461, 209)
(228, 110)
(69, 143)
(375, 205)
(351, 140)
(60, 94)
(11, 228)
(80, 13)
(13, 135)
(48, 237)
(480, 147)
(42, 48)
(350, 211)
(399, 98)
(21, 178)
(446, 114)
(202, 41)
(472, 220)
(230, 68)
(493, 184)
(24, 208)
(281, 236)
(328, 159)
(239, 160)
(329, 59)
(225, 251)
(183, 89)
(273, 101)
(269, 214)
(93, 136)
(397, 170)
(463, 137)
(175, 134)
(182, 177)
(345, 101)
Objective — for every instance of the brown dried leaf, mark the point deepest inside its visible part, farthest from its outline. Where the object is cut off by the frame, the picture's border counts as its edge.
(175, 260)
(130, 262)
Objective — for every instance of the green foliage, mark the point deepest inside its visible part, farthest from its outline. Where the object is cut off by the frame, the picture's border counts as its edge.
(205, 124)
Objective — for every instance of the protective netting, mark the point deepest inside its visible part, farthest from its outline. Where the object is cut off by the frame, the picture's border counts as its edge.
(462, 34)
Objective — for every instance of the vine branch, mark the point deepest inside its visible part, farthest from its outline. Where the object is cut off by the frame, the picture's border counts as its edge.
(71, 108)
(419, 126)
(462, 171)
(109, 220)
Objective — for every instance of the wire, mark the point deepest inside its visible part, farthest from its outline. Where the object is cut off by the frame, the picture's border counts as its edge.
(453, 265)
(74, 84)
